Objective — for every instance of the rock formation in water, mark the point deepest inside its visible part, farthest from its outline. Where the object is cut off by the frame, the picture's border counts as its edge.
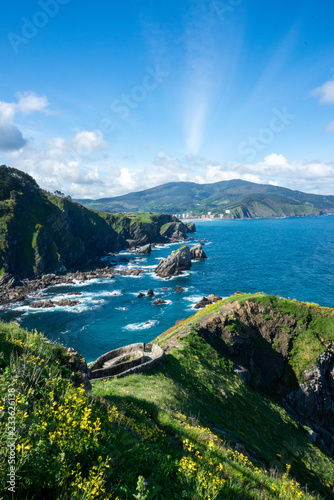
(175, 263)
(197, 252)
(42, 233)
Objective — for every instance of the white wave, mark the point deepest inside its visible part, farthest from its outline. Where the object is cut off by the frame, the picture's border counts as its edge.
(141, 326)
(23, 308)
(131, 276)
(162, 279)
(193, 298)
(114, 293)
(121, 308)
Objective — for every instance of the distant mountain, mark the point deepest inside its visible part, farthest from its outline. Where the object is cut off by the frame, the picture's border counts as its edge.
(241, 200)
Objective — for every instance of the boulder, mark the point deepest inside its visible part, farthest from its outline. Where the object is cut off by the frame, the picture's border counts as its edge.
(150, 293)
(202, 303)
(67, 302)
(145, 250)
(179, 288)
(80, 371)
(197, 252)
(42, 304)
(7, 280)
(176, 262)
(158, 302)
(213, 298)
(140, 295)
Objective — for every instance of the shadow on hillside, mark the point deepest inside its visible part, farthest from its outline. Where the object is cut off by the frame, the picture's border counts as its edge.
(270, 370)
(236, 413)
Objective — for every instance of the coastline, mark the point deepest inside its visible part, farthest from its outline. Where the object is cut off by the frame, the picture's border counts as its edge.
(13, 290)
(208, 219)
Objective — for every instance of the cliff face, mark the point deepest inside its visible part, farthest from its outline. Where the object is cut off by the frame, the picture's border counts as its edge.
(284, 348)
(41, 233)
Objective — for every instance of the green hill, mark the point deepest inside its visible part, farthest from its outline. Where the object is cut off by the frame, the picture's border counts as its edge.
(189, 429)
(243, 200)
(41, 232)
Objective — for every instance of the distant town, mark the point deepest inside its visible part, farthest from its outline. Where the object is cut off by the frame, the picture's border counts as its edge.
(209, 215)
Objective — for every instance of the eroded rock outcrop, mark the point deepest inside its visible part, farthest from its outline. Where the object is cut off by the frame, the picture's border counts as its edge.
(263, 341)
(313, 401)
(191, 228)
(145, 250)
(176, 262)
(206, 301)
(197, 252)
(174, 231)
(79, 368)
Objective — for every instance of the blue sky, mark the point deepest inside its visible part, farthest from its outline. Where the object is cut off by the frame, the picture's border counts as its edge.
(102, 99)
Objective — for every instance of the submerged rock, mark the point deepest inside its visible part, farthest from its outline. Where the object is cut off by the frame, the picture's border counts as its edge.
(158, 302)
(67, 302)
(42, 304)
(176, 262)
(45, 304)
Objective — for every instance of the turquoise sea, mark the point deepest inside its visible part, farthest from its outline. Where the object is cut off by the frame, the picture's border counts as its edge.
(291, 257)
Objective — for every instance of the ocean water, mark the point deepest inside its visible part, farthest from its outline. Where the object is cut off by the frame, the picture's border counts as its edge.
(291, 257)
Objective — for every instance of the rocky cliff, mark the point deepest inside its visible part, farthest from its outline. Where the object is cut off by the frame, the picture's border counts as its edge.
(179, 260)
(42, 233)
(284, 348)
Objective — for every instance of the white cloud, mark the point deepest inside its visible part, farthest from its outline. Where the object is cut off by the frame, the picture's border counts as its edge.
(30, 103)
(330, 127)
(11, 138)
(275, 169)
(95, 175)
(89, 142)
(326, 96)
(325, 93)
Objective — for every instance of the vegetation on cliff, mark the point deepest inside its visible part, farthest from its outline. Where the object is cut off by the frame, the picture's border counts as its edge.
(189, 429)
(41, 232)
(241, 200)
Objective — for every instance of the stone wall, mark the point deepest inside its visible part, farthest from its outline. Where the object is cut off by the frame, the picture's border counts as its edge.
(147, 361)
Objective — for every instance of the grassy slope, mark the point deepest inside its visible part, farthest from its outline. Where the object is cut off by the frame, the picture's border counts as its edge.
(200, 385)
(176, 426)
